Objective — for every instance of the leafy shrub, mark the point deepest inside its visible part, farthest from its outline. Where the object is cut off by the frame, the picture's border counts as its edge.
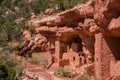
(3, 71)
(84, 77)
(40, 61)
(61, 72)
(87, 75)
(10, 67)
(31, 29)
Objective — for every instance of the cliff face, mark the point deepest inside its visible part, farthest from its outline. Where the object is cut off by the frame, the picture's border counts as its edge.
(93, 17)
(79, 26)
(96, 16)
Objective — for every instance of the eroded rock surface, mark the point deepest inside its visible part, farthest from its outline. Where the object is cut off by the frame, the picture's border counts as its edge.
(33, 43)
(94, 17)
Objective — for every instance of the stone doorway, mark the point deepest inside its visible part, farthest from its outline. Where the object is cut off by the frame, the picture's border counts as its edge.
(71, 42)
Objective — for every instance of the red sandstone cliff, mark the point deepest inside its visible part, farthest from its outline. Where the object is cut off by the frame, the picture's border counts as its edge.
(93, 17)
(96, 16)
(86, 20)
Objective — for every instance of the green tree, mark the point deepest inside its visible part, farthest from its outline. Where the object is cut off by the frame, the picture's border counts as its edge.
(10, 67)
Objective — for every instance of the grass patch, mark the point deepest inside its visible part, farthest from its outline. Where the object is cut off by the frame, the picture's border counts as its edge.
(61, 72)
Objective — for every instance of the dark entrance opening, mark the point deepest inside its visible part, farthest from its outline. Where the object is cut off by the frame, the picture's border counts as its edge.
(114, 46)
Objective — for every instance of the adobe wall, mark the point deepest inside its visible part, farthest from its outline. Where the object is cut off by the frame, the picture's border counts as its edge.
(63, 48)
(97, 56)
(51, 43)
(64, 62)
(88, 46)
(110, 54)
(115, 70)
(106, 54)
(73, 57)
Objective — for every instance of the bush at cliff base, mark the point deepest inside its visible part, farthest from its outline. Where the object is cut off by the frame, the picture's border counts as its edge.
(10, 67)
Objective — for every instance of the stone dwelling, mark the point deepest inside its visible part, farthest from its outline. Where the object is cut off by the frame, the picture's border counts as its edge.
(87, 33)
